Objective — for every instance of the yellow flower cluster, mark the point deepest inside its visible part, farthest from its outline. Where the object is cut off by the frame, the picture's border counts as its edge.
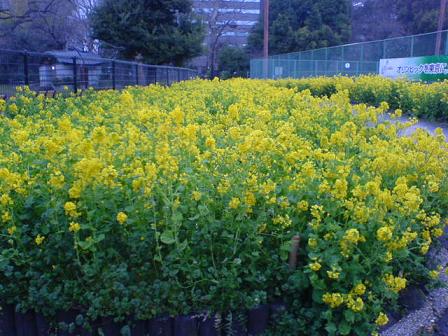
(396, 284)
(349, 240)
(334, 300)
(241, 166)
(122, 217)
(384, 233)
(70, 209)
(353, 302)
(382, 319)
(74, 227)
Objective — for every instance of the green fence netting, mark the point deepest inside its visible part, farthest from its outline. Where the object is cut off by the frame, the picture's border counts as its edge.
(349, 59)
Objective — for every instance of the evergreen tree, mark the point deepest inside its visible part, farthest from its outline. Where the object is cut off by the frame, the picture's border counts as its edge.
(304, 24)
(380, 19)
(233, 62)
(418, 16)
(162, 31)
(375, 20)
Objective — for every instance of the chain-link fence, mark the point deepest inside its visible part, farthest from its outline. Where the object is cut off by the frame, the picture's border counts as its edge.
(349, 59)
(59, 70)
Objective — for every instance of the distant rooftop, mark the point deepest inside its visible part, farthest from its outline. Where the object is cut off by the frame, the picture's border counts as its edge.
(66, 57)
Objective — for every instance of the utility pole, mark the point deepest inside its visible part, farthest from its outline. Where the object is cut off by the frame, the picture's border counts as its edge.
(442, 14)
(266, 38)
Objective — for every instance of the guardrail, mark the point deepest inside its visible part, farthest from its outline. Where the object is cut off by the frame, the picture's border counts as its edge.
(58, 70)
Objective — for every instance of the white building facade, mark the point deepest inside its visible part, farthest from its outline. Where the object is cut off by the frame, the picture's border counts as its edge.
(236, 18)
(227, 23)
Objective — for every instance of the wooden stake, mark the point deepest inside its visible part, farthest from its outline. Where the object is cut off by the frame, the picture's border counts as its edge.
(295, 244)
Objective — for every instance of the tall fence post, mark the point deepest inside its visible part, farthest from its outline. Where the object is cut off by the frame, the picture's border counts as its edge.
(75, 76)
(26, 69)
(446, 43)
(114, 84)
(167, 76)
(155, 75)
(136, 75)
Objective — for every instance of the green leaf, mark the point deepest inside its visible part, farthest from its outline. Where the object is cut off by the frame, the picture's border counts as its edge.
(285, 248)
(349, 316)
(344, 328)
(177, 217)
(331, 328)
(85, 245)
(168, 237)
(100, 237)
(182, 246)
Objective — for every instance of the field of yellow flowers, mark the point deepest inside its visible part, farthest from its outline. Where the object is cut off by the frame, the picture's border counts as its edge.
(423, 100)
(185, 199)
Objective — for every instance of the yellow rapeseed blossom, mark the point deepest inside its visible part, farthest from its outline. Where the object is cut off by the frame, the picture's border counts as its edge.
(302, 205)
(315, 266)
(395, 284)
(352, 236)
(359, 289)
(70, 209)
(5, 200)
(196, 195)
(6, 216)
(357, 305)
(39, 239)
(122, 217)
(74, 227)
(334, 300)
(382, 319)
(267, 159)
(384, 233)
(234, 203)
(312, 242)
(333, 275)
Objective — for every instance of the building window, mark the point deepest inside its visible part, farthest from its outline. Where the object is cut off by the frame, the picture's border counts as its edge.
(4, 5)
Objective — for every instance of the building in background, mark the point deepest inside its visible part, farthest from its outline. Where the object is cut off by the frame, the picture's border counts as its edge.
(227, 23)
(4, 5)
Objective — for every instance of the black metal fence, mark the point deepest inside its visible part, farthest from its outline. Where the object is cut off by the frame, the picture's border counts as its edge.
(73, 70)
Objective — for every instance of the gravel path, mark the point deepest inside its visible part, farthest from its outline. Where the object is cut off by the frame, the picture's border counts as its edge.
(432, 318)
(430, 126)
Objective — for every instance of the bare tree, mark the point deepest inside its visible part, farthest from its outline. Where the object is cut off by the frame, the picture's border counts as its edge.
(41, 24)
(219, 18)
(83, 10)
(21, 12)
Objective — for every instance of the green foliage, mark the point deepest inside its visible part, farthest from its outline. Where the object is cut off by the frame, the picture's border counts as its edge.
(300, 25)
(375, 20)
(163, 32)
(380, 19)
(233, 62)
(157, 200)
(418, 16)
